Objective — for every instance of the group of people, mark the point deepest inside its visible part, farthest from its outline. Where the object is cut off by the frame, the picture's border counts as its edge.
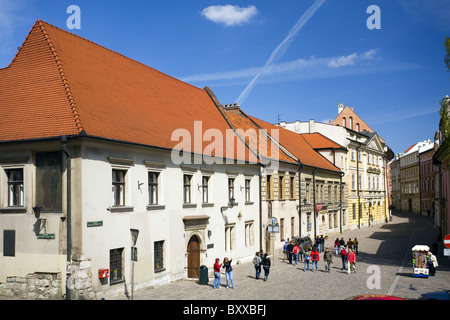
(226, 264)
(346, 250)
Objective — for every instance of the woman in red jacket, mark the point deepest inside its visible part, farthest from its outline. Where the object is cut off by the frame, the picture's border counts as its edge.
(352, 260)
(314, 258)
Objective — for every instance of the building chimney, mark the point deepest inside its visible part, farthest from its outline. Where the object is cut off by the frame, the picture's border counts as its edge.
(340, 107)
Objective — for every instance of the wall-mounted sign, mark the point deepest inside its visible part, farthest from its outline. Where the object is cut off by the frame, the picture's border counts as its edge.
(92, 224)
(46, 236)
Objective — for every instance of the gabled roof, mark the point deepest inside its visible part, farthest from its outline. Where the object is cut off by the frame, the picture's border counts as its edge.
(258, 140)
(348, 113)
(297, 145)
(319, 142)
(62, 84)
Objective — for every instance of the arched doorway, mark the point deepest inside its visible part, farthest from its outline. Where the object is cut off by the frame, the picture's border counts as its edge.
(193, 260)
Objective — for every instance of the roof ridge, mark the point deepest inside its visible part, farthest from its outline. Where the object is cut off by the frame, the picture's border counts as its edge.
(118, 53)
(62, 74)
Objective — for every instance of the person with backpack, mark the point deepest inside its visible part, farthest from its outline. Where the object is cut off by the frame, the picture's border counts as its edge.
(296, 252)
(344, 257)
(314, 258)
(307, 258)
(257, 264)
(266, 265)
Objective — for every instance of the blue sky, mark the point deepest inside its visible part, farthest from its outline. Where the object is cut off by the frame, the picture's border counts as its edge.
(288, 59)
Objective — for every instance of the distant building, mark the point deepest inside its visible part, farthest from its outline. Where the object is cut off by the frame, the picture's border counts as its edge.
(363, 163)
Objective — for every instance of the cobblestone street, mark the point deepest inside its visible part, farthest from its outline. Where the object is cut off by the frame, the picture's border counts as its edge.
(387, 247)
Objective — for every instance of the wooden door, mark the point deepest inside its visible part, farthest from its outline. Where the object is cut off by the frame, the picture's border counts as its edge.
(193, 250)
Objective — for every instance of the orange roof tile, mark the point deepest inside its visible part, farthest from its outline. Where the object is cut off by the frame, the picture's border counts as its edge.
(318, 141)
(298, 146)
(255, 138)
(61, 84)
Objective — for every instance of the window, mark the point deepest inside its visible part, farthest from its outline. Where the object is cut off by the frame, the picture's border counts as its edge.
(159, 256)
(118, 187)
(15, 187)
(9, 243)
(153, 187)
(280, 186)
(353, 154)
(116, 265)
(354, 211)
(353, 182)
(247, 190)
(229, 237)
(291, 187)
(187, 178)
(205, 184)
(249, 233)
(230, 188)
(359, 155)
(268, 187)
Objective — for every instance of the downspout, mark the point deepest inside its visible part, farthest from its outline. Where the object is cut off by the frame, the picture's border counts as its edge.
(260, 209)
(340, 201)
(314, 201)
(357, 186)
(68, 213)
(300, 199)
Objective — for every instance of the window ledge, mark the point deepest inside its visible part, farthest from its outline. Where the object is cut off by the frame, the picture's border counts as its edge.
(13, 210)
(156, 207)
(120, 208)
(189, 205)
(249, 203)
(207, 204)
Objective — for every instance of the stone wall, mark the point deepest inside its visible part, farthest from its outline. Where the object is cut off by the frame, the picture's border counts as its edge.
(34, 286)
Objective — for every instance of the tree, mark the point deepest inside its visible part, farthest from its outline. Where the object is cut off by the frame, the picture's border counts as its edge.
(444, 124)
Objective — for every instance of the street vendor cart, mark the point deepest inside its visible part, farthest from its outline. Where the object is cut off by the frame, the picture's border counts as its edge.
(420, 261)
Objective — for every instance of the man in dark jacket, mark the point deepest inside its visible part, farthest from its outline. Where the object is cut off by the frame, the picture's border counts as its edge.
(289, 249)
(328, 258)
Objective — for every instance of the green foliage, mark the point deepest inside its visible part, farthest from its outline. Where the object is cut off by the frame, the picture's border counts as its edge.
(445, 116)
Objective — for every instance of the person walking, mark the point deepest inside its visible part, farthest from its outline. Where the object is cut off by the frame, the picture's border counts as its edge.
(314, 258)
(257, 264)
(217, 267)
(321, 243)
(289, 248)
(349, 243)
(355, 245)
(266, 265)
(228, 272)
(336, 245)
(344, 257)
(328, 258)
(307, 258)
(352, 260)
(285, 254)
(296, 252)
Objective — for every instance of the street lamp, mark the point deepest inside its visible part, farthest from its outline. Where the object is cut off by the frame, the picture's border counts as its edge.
(134, 237)
(231, 204)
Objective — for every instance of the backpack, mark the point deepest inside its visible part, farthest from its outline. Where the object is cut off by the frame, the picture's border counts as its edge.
(307, 257)
(315, 256)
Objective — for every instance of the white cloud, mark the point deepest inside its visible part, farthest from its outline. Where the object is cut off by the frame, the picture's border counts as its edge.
(351, 59)
(229, 15)
(310, 67)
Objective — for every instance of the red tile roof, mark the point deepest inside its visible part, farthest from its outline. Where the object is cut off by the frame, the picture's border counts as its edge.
(257, 140)
(297, 145)
(318, 141)
(61, 84)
